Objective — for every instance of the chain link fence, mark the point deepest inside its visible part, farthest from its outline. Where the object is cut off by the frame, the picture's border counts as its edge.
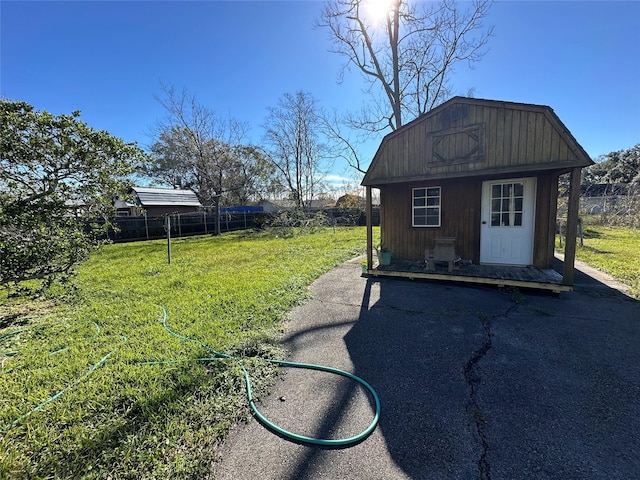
(130, 229)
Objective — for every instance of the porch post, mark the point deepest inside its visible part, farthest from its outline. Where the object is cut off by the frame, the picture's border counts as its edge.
(369, 215)
(553, 219)
(572, 224)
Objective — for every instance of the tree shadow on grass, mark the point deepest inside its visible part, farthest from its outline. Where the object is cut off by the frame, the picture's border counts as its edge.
(589, 248)
(589, 233)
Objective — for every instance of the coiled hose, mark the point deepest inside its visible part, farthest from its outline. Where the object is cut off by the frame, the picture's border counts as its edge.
(343, 442)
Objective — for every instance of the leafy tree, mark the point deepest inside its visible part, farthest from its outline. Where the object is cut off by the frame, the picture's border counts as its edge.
(56, 174)
(625, 166)
(255, 177)
(595, 174)
(349, 201)
(621, 166)
(620, 171)
(183, 159)
(293, 145)
(170, 162)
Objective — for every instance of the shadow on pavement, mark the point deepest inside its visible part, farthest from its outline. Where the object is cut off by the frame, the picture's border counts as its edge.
(478, 383)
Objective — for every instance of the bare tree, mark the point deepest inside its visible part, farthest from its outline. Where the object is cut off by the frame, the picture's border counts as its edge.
(195, 148)
(292, 143)
(343, 140)
(407, 54)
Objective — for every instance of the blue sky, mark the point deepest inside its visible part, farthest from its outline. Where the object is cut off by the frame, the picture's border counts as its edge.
(108, 59)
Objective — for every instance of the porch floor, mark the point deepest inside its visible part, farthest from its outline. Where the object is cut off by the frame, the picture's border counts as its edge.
(499, 275)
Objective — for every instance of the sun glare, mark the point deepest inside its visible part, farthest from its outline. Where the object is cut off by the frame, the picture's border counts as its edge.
(377, 11)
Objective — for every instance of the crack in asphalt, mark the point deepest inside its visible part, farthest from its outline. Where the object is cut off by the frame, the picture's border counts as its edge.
(473, 408)
(473, 379)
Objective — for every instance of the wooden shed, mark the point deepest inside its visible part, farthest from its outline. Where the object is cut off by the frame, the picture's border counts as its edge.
(476, 180)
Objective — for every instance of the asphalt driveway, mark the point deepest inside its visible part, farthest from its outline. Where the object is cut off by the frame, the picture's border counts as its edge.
(474, 383)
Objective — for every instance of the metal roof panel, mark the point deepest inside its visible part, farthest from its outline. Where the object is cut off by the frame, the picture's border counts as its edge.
(148, 197)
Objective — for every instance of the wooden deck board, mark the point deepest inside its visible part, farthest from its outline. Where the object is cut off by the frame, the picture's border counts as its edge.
(526, 277)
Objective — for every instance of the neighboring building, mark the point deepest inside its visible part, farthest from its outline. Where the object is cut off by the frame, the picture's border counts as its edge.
(124, 209)
(155, 202)
(481, 172)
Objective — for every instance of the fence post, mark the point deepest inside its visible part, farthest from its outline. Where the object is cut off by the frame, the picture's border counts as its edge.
(560, 231)
(580, 231)
(146, 225)
(168, 228)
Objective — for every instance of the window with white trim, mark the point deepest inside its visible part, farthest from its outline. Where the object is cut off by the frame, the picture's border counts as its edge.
(426, 207)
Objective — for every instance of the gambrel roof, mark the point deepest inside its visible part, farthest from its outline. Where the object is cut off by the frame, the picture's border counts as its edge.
(475, 137)
(154, 197)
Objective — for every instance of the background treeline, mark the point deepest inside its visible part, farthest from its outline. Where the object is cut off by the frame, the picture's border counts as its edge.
(610, 189)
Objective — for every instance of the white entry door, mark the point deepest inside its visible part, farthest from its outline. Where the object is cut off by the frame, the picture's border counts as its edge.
(506, 233)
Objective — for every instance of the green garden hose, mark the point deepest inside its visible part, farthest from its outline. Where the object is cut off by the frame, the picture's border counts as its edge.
(344, 442)
(10, 334)
(51, 399)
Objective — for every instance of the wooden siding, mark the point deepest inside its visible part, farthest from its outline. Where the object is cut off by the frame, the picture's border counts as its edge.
(460, 218)
(541, 222)
(545, 220)
(468, 137)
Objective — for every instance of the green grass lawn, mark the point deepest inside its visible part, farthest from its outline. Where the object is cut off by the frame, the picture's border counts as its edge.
(612, 250)
(131, 400)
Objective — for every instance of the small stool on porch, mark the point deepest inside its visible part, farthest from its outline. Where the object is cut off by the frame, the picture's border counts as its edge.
(443, 251)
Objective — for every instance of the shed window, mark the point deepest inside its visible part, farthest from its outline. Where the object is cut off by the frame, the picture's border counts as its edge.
(426, 207)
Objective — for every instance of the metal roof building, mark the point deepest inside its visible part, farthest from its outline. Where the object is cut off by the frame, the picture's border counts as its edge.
(161, 201)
